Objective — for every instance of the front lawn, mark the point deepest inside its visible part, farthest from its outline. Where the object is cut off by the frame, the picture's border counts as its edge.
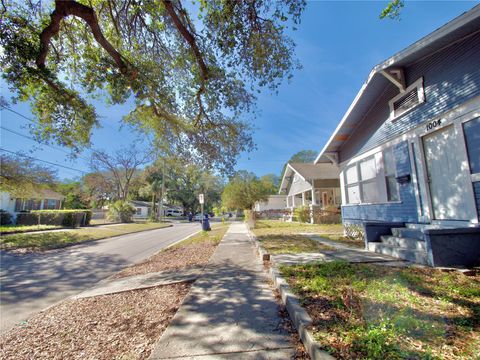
(7, 229)
(290, 244)
(50, 240)
(269, 227)
(367, 311)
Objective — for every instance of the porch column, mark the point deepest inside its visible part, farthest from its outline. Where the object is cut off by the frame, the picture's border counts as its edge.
(303, 198)
(314, 201)
(293, 201)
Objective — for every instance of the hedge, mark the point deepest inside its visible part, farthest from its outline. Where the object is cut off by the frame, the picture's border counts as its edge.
(67, 218)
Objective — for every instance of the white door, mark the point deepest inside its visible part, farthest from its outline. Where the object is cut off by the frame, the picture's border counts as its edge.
(447, 176)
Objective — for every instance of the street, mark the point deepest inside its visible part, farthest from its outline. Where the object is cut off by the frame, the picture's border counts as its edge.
(31, 282)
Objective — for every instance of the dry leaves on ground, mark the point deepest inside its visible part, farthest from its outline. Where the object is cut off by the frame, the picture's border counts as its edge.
(119, 326)
(172, 259)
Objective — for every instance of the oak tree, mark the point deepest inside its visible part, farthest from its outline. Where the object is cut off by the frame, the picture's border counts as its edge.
(191, 69)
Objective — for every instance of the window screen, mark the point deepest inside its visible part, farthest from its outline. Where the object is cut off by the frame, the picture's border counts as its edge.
(472, 137)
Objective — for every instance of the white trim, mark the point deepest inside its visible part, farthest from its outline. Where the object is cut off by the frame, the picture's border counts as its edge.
(417, 84)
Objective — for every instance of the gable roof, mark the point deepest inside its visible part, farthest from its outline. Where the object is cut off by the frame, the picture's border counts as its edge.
(308, 171)
(456, 30)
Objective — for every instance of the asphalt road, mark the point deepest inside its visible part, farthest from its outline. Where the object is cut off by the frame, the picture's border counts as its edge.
(31, 282)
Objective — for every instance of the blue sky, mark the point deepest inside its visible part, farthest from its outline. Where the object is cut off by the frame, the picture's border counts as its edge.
(338, 43)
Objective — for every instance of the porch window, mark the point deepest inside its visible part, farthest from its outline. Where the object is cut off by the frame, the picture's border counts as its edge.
(51, 204)
(352, 185)
(390, 175)
(368, 183)
(472, 138)
(138, 211)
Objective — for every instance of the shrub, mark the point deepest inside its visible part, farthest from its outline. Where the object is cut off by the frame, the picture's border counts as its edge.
(5, 218)
(70, 218)
(120, 211)
(302, 214)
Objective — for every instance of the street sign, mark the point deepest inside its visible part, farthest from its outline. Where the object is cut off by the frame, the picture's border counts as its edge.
(201, 200)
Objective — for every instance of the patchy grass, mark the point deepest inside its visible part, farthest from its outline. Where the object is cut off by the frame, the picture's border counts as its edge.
(50, 240)
(8, 229)
(214, 236)
(344, 240)
(366, 311)
(270, 227)
(291, 244)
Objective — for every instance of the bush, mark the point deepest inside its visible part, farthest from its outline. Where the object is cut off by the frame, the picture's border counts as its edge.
(70, 218)
(120, 211)
(302, 214)
(5, 218)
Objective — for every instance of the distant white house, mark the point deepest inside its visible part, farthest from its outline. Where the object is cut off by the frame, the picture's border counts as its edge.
(274, 202)
(43, 199)
(143, 209)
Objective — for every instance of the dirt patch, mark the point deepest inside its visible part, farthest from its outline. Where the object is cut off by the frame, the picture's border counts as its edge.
(119, 326)
(172, 259)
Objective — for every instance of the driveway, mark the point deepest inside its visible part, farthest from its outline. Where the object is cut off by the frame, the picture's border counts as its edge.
(32, 282)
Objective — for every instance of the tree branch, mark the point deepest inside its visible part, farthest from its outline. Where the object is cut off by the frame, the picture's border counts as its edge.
(64, 8)
(188, 37)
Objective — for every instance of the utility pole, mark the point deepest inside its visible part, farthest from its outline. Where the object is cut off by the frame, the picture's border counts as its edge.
(160, 206)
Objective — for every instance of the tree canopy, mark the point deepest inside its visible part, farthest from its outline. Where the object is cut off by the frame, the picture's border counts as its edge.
(22, 177)
(191, 69)
(244, 189)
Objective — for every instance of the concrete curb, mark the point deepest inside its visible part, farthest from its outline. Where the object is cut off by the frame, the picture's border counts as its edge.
(264, 255)
(299, 316)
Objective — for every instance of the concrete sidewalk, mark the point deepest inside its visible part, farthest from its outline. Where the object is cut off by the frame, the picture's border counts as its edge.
(230, 312)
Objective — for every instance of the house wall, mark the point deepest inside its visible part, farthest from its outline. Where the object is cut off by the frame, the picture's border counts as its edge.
(275, 202)
(405, 210)
(451, 77)
(7, 203)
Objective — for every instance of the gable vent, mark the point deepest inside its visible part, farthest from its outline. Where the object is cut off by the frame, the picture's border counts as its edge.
(407, 100)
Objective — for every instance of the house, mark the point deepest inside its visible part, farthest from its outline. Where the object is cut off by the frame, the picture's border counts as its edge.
(274, 202)
(408, 149)
(43, 199)
(314, 185)
(143, 209)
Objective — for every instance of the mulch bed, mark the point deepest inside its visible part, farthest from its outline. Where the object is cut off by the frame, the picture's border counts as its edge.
(172, 259)
(118, 326)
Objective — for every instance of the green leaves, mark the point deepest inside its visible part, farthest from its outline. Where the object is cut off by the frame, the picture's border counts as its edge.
(192, 82)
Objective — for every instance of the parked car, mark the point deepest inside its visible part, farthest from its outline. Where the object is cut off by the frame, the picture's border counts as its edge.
(197, 217)
(174, 212)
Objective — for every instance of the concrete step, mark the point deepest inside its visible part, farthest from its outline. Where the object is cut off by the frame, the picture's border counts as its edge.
(416, 226)
(416, 256)
(408, 233)
(404, 242)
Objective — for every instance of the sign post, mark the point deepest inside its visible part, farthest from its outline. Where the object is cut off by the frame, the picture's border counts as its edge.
(201, 200)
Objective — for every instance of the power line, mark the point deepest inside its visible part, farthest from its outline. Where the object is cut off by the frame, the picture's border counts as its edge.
(39, 142)
(47, 162)
(19, 114)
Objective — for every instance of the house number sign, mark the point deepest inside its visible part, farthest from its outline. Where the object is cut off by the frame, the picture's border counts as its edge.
(433, 124)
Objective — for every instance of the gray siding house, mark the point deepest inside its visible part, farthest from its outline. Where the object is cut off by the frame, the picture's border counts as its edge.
(311, 185)
(409, 150)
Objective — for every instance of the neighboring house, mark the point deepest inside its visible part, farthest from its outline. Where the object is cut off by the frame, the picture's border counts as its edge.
(274, 202)
(409, 150)
(312, 185)
(43, 199)
(143, 209)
